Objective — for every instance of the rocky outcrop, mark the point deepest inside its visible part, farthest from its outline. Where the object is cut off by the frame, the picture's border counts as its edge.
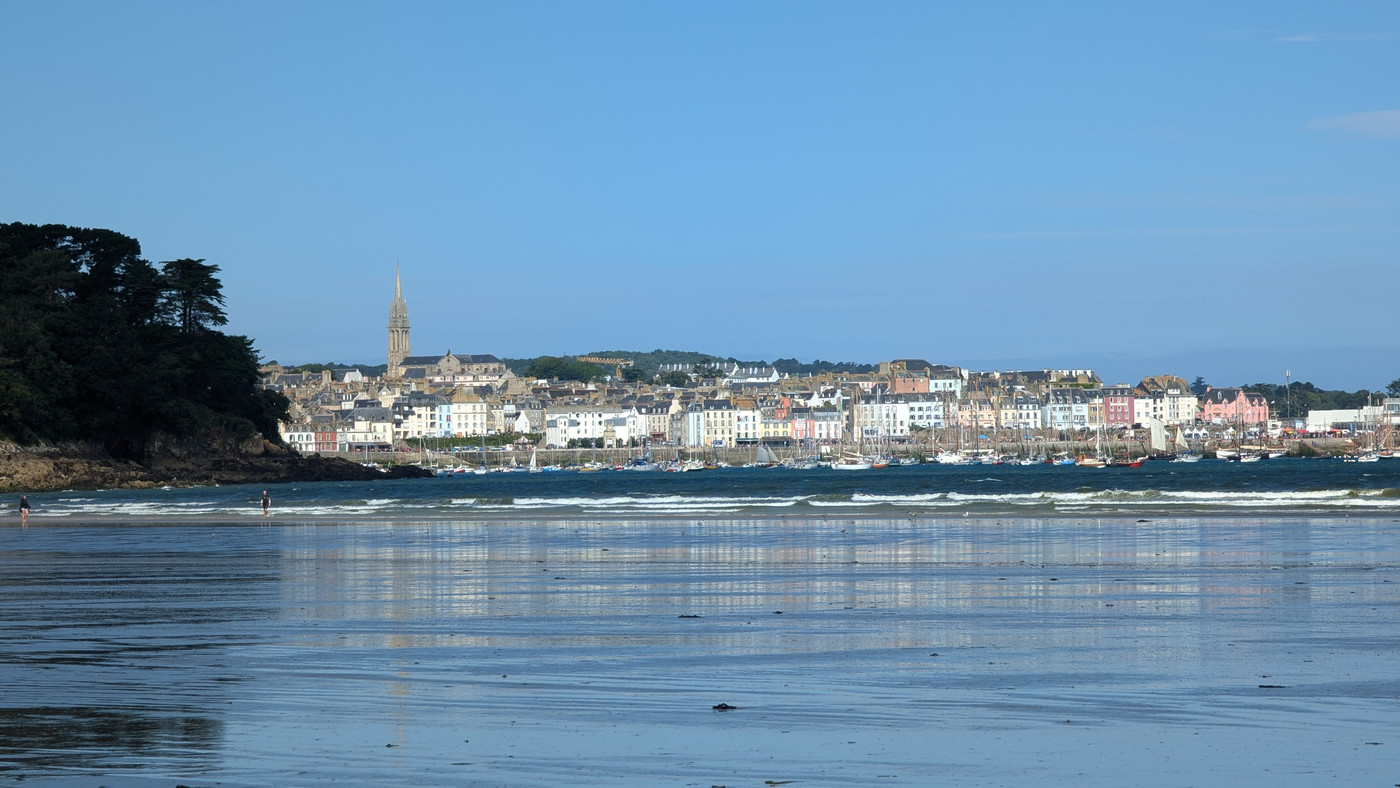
(176, 463)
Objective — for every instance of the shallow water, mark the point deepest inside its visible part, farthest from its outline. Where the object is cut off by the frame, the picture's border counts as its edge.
(1285, 486)
(900, 651)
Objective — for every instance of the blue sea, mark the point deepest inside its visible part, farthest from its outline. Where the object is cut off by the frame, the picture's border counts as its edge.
(1283, 486)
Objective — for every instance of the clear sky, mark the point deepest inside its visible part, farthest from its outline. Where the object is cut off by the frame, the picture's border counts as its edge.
(1188, 188)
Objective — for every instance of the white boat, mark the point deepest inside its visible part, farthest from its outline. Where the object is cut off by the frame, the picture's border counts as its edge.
(852, 461)
(952, 458)
(1188, 457)
(534, 461)
(1251, 457)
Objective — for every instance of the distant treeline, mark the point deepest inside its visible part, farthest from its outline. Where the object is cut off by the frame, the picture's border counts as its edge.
(97, 344)
(1299, 399)
(368, 370)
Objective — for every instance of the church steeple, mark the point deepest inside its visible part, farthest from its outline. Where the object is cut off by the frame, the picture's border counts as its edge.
(398, 327)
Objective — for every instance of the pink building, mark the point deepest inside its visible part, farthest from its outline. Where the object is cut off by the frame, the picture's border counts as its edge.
(1234, 406)
(1118, 404)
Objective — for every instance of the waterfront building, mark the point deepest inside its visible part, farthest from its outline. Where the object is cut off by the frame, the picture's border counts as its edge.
(469, 415)
(779, 432)
(880, 418)
(827, 425)
(1119, 406)
(1234, 406)
(367, 428)
(1025, 412)
(1166, 398)
(720, 419)
(928, 411)
(590, 422)
(1066, 409)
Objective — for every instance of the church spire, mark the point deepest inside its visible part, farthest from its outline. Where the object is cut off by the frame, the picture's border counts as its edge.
(398, 327)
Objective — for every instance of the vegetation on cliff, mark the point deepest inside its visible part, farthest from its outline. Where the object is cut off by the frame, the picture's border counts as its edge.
(99, 345)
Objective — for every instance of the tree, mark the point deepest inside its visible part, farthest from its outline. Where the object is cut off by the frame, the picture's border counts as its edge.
(193, 296)
(633, 375)
(1199, 386)
(1392, 389)
(98, 345)
(674, 378)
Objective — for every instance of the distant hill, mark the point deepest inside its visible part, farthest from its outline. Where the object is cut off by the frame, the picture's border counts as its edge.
(650, 361)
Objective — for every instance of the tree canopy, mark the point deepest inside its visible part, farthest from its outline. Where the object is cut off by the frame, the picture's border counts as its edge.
(557, 368)
(97, 344)
(1299, 399)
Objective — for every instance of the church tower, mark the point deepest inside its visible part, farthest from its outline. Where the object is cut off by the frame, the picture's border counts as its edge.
(398, 328)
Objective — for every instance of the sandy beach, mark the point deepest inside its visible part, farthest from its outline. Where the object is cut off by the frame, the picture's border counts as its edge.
(1181, 651)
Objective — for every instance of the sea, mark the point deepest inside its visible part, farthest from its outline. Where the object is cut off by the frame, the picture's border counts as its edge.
(1170, 625)
(1280, 486)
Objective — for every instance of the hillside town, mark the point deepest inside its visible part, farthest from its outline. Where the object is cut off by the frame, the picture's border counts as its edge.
(945, 408)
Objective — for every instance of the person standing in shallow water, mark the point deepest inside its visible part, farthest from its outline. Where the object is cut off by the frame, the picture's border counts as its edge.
(24, 511)
(266, 505)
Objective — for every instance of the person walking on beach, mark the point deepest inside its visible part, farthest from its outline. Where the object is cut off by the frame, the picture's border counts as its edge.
(24, 511)
(266, 505)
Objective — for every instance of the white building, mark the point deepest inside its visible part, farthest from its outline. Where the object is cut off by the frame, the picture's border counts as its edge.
(589, 422)
(878, 419)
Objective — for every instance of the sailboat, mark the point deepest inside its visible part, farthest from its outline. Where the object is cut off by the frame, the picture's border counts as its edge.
(1096, 461)
(852, 460)
(534, 461)
(765, 458)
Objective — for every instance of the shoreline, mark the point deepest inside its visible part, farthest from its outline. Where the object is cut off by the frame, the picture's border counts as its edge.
(255, 518)
(51, 470)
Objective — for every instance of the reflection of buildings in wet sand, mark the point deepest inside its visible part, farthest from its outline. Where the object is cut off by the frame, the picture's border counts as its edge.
(1102, 586)
(121, 652)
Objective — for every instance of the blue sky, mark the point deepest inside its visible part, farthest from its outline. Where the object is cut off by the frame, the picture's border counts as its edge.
(1191, 188)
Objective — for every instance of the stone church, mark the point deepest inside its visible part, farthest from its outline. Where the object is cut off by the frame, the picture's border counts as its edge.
(449, 368)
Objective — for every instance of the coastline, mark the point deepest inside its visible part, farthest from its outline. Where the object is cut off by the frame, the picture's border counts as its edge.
(58, 469)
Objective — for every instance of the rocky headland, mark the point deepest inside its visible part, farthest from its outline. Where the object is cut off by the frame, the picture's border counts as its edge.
(176, 463)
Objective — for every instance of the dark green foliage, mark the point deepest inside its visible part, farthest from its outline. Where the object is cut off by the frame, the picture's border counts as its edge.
(791, 366)
(192, 295)
(674, 379)
(1392, 389)
(557, 368)
(368, 370)
(634, 375)
(1199, 386)
(649, 363)
(96, 344)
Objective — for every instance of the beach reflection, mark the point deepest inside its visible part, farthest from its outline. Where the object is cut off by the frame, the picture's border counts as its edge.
(117, 647)
(340, 648)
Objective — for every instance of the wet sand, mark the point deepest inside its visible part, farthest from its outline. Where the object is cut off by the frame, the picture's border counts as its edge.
(1181, 651)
